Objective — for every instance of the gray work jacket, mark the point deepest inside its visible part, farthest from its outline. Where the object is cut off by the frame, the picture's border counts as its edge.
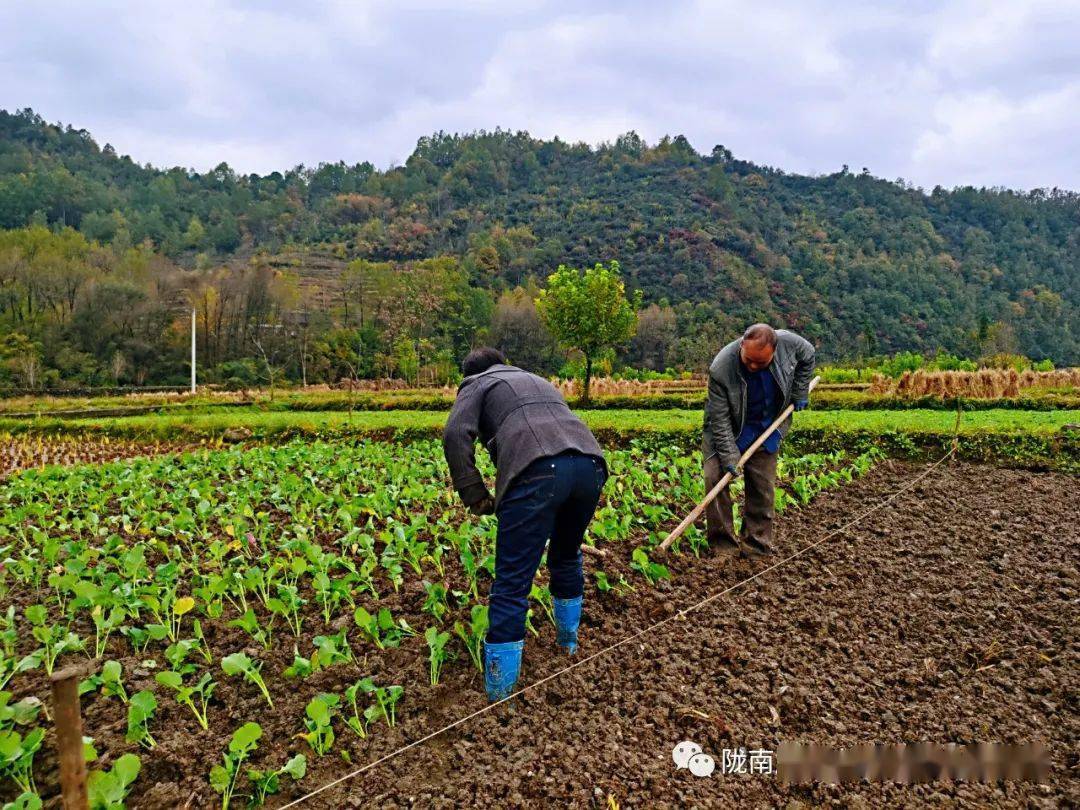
(792, 367)
(519, 417)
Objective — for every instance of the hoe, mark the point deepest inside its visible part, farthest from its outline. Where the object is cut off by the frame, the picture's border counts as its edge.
(723, 482)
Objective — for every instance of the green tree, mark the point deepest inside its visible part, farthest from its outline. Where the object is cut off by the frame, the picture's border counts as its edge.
(588, 311)
(21, 358)
(195, 235)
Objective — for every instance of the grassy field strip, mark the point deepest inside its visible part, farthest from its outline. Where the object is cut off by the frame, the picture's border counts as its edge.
(266, 424)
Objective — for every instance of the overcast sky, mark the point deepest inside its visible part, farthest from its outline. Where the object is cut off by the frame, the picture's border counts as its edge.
(986, 93)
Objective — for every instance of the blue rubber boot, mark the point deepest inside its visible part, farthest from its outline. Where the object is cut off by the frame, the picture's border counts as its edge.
(567, 619)
(502, 664)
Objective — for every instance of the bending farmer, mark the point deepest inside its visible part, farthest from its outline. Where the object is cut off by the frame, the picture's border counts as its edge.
(549, 473)
(751, 381)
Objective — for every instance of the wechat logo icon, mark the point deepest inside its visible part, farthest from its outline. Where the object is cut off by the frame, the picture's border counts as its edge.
(689, 755)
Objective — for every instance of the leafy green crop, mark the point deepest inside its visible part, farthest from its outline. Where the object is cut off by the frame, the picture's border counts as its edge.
(223, 777)
(652, 571)
(381, 628)
(241, 664)
(108, 681)
(603, 584)
(269, 782)
(194, 697)
(141, 710)
(108, 789)
(356, 721)
(386, 699)
(55, 640)
(16, 750)
(320, 731)
(436, 652)
(436, 603)
(11, 666)
(168, 560)
(472, 634)
(17, 756)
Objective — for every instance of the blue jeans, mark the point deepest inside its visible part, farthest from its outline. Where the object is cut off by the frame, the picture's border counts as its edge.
(552, 499)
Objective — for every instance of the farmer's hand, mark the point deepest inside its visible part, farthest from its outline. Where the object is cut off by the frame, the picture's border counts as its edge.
(732, 470)
(801, 404)
(484, 506)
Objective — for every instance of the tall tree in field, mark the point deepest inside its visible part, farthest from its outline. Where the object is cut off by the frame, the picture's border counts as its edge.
(588, 311)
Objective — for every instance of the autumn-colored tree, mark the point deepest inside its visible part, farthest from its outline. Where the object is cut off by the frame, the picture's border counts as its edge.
(517, 330)
(655, 337)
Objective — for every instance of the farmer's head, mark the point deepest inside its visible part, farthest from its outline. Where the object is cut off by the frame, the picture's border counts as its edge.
(757, 346)
(480, 360)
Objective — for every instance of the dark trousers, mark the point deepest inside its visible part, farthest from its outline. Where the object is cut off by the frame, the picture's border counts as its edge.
(552, 499)
(760, 485)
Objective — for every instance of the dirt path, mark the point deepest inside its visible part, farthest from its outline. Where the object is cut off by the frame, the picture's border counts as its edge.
(949, 616)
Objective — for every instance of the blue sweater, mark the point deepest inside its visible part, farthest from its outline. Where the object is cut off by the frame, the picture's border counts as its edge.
(762, 407)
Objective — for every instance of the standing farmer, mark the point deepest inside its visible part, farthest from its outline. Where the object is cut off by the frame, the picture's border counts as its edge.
(549, 473)
(751, 381)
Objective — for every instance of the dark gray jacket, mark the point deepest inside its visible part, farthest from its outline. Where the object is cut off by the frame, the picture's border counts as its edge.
(519, 417)
(725, 409)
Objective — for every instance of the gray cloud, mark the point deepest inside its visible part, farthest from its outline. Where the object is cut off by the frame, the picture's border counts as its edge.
(978, 92)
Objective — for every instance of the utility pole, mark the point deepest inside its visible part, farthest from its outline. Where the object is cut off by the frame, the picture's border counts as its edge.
(193, 350)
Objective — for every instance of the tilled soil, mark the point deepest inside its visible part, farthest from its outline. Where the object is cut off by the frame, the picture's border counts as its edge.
(947, 616)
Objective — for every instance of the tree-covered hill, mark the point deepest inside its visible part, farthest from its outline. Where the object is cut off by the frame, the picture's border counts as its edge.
(859, 264)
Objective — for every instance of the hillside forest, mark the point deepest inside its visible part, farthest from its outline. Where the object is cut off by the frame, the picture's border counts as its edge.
(316, 274)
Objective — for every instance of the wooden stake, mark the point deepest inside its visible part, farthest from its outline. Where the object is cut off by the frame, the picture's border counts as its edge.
(697, 511)
(69, 738)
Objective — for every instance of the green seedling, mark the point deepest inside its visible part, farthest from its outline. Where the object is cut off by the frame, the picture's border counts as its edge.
(320, 731)
(240, 664)
(55, 640)
(604, 585)
(24, 801)
(107, 790)
(140, 637)
(287, 604)
(108, 681)
(301, 667)
(22, 713)
(381, 628)
(435, 603)
(386, 699)
(267, 783)
(330, 650)
(436, 652)
(141, 710)
(472, 634)
(17, 757)
(11, 666)
(543, 596)
(195, 697)
(356, 722)
(177, 654)
(653, 572)
(250, 624)
(223, 777)
(200, 641)
(105, 622)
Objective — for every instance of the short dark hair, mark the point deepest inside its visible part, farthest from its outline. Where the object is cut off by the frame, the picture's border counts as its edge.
(481, 359)
(760, 332)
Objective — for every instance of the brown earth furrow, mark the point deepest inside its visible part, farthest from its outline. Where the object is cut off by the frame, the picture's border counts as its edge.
(947, 616)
